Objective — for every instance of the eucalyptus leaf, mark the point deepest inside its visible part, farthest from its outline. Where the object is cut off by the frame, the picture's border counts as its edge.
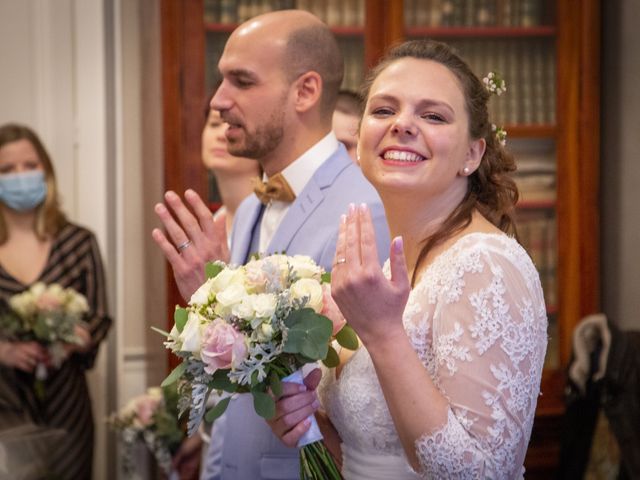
(218, 410)
(211, 270)
(309, 333)
(264, 404)
(332, 359)
(347, 338)
(221, 381)
(180, 317)
(275, 384)
(175, 374)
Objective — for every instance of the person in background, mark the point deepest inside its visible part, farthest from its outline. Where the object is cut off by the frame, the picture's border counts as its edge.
(346, 117)
(39, 244)
(454, 326)
(281, 75)
(234, 175)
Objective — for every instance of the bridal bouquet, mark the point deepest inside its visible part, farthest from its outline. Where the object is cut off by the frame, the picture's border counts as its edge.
(249, 328)
(47, 314)
(150, 419)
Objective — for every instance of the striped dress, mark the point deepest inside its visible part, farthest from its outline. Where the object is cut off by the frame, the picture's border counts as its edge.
(74, 261)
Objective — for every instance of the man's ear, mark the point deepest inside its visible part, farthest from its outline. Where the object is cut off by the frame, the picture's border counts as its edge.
(308, 90)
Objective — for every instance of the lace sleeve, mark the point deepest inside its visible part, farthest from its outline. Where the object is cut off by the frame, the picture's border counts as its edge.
(488, 341)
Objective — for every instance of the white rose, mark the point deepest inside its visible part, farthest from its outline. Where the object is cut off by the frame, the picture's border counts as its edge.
(264, 333)
(155, 393)
(56, 290)
(228, 297)
(226, 278)
(22, 304)
(37, 289)
(244, 309)
(78, 304)
(201, 295)
(307, 287)
(305, 267)
(191, 335)
(264, 304)
(256, 277)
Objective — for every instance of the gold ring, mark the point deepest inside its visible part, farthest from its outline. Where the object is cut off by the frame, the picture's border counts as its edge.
(340, 261)
(184, 245)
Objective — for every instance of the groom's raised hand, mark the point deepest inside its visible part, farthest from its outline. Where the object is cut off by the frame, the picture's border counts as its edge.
(191, 240)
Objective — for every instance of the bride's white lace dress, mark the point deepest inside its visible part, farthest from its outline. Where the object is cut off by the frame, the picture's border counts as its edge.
(478, 322)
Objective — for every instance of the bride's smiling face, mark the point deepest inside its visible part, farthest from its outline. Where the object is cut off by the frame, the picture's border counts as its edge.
(414, 136)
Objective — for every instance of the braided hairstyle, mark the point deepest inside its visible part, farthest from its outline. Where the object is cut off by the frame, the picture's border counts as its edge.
(491, 190)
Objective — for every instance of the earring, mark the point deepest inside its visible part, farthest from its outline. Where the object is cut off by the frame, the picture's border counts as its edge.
(465, 170)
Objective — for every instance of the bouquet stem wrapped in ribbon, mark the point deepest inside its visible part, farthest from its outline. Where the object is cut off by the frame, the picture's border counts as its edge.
(249, 328)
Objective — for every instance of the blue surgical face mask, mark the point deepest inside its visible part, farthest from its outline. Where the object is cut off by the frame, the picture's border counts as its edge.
(23, 191)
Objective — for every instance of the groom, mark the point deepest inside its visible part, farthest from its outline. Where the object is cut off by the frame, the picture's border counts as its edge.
(281, 74)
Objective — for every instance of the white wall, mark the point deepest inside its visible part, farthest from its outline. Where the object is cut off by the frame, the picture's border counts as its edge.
(85, 75)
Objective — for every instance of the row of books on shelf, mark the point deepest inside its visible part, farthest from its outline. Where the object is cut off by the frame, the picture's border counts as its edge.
(537, 233)
(529, 68)
(353, 53)
(343, 13)
(473, 13)
(536, 178)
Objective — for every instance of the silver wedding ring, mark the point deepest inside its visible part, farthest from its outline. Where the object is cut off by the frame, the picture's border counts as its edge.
(341, 261)
(184, 245)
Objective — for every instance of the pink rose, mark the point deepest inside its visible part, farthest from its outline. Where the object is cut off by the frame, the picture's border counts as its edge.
(145, 408)
(48, 302)
(331, 310)
(222, 346)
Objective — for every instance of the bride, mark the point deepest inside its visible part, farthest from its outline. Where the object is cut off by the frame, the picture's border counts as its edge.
(454, 326)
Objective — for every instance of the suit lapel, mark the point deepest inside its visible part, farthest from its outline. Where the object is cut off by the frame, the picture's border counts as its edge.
(309, 200)
(243, 229)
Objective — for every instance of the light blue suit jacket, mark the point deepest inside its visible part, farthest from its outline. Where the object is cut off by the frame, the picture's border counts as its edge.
(242, 444)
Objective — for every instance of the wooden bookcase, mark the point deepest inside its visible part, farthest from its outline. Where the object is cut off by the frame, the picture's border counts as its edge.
(561, 38)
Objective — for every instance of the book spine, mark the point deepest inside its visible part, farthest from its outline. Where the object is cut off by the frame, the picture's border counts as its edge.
(228, 12)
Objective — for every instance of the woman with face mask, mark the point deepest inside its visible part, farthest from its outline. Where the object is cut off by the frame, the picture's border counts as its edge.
(39, 244)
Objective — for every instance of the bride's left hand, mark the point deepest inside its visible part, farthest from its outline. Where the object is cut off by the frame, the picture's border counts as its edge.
(371, 303)
(293, 408)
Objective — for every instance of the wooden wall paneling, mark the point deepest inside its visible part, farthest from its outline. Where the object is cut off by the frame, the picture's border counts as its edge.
(578, 164)
(183, 96)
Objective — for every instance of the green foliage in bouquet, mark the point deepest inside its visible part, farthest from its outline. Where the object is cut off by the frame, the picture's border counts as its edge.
(249, 327)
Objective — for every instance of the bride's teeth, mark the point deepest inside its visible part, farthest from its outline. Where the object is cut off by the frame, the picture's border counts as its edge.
(402, 156)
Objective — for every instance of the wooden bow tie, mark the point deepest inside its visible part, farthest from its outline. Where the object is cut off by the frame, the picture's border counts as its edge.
(275, 188)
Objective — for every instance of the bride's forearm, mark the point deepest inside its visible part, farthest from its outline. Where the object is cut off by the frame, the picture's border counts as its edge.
(331, 437)
(415, 404)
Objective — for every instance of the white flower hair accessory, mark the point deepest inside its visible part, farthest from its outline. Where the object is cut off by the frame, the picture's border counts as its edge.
(494, 83)
(500, 133)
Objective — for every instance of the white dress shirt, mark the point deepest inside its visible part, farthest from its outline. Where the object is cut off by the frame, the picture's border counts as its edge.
(297, 175)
